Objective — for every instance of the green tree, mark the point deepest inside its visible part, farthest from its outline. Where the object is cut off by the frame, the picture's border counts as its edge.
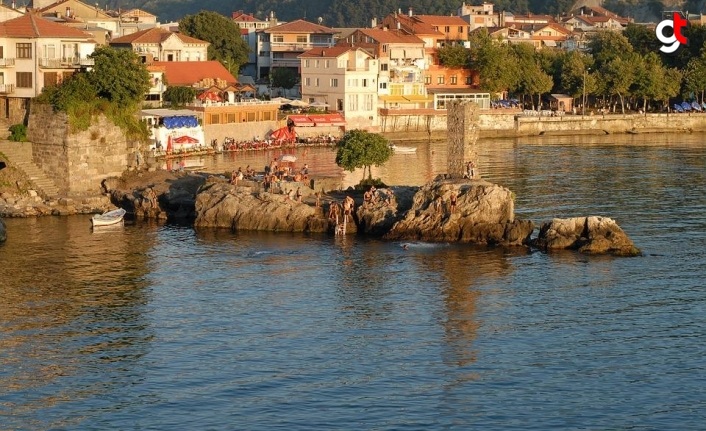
(454, 56)
(495, 63)
(695, 75)
(226, 43)
(618, 76)
(361, 149)
(533, 80)
(607, 45)
(284, 77)
(642, 39)
(119, 76)
(178, 95)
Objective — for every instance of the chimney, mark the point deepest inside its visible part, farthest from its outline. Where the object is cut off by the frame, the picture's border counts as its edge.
(374, 22)
(323, 53)
(68, 12)
(410, 12)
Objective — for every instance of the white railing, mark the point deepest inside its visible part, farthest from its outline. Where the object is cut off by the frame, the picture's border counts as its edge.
(298, 46)
(7, 62)
(7, 88)
(66, 62)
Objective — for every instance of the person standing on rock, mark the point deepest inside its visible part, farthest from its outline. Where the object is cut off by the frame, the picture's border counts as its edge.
(437, 204)
(348, 205)
(452, 201)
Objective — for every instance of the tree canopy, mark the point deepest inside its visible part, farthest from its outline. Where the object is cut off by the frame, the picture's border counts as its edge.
(226, 43)
(361, 149)
(179, 95)
(119, 76)
(284, 77)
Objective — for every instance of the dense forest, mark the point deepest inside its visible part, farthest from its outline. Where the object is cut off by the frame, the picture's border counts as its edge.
(358, 13)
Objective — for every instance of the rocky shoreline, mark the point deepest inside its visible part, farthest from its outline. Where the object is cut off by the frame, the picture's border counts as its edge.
(483, 212)
(444, 210)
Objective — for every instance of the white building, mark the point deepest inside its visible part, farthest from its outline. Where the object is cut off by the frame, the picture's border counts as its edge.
(344, 79)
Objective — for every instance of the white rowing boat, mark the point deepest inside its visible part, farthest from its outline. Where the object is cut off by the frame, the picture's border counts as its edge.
(108, 218)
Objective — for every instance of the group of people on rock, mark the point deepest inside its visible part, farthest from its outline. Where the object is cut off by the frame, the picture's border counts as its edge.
(438, 203)
(371, 197)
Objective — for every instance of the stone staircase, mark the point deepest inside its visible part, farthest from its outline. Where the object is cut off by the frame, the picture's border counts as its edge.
(19, 155)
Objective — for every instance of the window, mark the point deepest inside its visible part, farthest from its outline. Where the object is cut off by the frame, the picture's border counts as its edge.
(453, 80)
(326, 64)
(384, 48)
(447, 29)
(49, 51)
(460, 29)
(316, 82)
(383, 67)
(383, 85)
(267, 116)
(440, 79)
(365, 83)
(24, 79)
(2, 53)
(469, 80)
(251, 116)
(215, 119)
(353, 102)
(231, 117)
(427, 80)
(306, 63)
(316, 64)
(24, 50)
(277, 38)
(307, 82)
(368, 102)
(301, 39)
(334, 82)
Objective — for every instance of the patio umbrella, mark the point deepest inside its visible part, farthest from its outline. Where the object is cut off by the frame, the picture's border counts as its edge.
(318, 105)
(209, 95)
(185, 140)
(298, 103)
(281, 100)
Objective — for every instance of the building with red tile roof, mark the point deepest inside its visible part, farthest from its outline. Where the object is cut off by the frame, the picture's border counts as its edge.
(279, 46)
(36, 53)
(208, 74)
(157, 44)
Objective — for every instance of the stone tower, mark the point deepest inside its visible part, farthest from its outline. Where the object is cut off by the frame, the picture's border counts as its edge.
(462, 131)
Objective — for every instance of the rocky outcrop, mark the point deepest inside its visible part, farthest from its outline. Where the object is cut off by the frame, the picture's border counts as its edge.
(32, 205)
(483, 214)
(222, 205)
(163, 195)
(3, 231)
(592, 235)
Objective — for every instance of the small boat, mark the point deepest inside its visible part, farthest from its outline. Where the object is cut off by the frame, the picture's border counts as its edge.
(403, 150)
(108, 218)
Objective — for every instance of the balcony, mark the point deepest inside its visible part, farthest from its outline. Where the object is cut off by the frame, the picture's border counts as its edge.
(7, 88)
(297, 47)
(7, 62)
(65, 63)
(286, 62)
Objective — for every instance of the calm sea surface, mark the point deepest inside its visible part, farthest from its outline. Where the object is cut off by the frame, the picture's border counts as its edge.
(161, 327)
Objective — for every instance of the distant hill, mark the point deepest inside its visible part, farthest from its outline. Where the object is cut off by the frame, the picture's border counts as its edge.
(358, 13)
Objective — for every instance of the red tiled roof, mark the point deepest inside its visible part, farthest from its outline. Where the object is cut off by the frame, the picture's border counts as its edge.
(187, 73)
(31, 25)
(300, 26)
(155, 35)
(99, 13)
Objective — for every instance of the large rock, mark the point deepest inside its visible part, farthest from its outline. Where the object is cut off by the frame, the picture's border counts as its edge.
(222, 205)
(593, 235)
(3, 231)
(484, 214)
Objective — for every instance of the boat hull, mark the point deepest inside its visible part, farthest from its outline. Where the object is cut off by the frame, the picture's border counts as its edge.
(109, 218)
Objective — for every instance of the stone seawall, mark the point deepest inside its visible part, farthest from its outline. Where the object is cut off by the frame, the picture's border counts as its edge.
(513, 124)
(78, 162)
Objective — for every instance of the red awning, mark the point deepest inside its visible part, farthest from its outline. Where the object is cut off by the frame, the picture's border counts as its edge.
(301, 120)
(320, 119)
(337, 120)
(185, 140)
